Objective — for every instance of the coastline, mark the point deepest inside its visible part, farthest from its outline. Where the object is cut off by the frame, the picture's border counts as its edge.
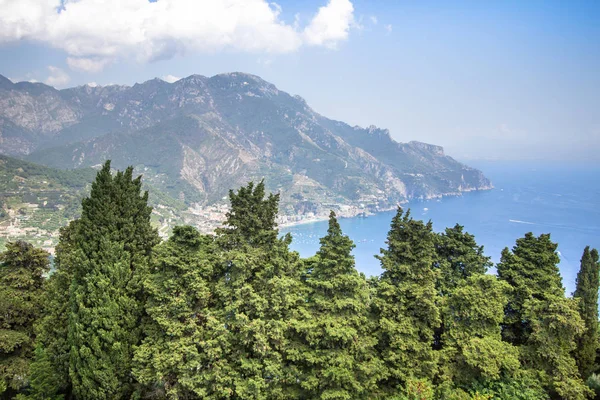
(365, 214)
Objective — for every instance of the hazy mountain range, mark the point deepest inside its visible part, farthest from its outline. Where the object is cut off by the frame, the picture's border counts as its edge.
(198, 137)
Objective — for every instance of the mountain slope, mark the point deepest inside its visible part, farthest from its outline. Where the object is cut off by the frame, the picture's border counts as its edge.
(198, 137)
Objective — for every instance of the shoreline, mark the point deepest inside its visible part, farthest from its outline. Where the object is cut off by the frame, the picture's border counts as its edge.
(366, 214)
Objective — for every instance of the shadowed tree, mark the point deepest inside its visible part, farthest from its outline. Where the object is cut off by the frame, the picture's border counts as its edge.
(50, 367)
(532, 272)
(22, 269)
(588, 283)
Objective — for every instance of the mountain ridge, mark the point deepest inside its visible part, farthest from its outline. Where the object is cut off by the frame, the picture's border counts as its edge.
(198, 137)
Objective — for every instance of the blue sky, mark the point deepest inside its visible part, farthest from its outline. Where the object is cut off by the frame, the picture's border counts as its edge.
(485, 79)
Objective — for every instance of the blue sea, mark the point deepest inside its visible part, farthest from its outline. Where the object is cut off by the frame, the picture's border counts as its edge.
(556, 198)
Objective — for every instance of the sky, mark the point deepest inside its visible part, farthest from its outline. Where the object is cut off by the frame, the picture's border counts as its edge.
(505, 80)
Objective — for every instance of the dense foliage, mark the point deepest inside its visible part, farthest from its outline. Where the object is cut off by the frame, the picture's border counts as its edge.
(238, 315)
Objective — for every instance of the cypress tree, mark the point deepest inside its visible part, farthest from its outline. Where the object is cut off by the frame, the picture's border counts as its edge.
(112, 245)
(173, 360)
(22, 269)
(588, 283)
(337, 356)
(407, 301)
(532, 272)
(258, 292)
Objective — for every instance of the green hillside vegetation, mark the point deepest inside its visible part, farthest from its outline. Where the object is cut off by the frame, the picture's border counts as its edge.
(238, 315)
(38, 200)
(35, 201)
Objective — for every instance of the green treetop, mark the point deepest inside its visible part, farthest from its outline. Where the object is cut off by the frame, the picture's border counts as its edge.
(407, 301)
(111, 248)
(251, 219)
(532, 272)
(459, 257)
(337, 356)
(539, 319)
(174, 360)
(257, 293)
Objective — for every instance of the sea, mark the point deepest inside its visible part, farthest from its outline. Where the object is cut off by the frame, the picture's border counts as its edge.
(562, 199)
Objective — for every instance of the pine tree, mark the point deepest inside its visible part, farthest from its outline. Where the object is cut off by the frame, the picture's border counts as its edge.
(258, 292)
(113, 242)
(175, 357)
(337, 354)
(532, 272)
(22, 269)
(588, 284)
(407, 302)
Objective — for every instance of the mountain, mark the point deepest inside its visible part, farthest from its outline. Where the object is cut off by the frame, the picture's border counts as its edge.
(198, 137)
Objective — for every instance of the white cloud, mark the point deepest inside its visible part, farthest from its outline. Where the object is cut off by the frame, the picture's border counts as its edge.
(265, 62)
(87, 64)
(388, 28)
(57, 77)
(170, 78)
(94, 33)
(331, 24)
(373, 19)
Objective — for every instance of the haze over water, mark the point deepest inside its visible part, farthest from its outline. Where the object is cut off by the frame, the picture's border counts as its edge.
(539, 197)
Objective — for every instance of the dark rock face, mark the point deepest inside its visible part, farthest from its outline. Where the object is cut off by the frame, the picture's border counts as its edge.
(198, 137)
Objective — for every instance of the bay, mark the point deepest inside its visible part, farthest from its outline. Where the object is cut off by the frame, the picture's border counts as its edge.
(556, 198)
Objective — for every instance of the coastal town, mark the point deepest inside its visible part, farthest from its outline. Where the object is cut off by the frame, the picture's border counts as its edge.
(25, 221)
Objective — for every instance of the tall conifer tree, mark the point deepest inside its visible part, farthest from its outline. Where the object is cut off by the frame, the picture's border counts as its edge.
(539, 318)
(474, 352)
(532, 272)
(588, 284)
(458, 257)
(258, 292)
(337, 357)
(174, 360)
(22, 269)
(407, 301)
(113, 242)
